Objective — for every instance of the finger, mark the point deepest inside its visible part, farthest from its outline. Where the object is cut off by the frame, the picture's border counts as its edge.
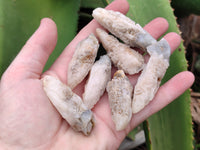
(33, 56)
(61, 64)
(165, 95)
(157, 27)
(174, 40)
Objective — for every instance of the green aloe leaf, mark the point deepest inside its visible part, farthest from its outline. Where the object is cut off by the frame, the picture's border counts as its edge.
(19, 19)
(92, 3)
(170, 128)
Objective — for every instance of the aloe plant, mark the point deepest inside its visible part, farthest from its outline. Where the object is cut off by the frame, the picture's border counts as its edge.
(19, 19)
(92, 3)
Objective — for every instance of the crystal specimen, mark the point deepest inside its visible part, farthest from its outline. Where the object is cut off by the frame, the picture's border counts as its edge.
(120, 96)
(82, 60)
(122, 56)
(150, 78)
(99, 76)
(124, 28)
(68, 104)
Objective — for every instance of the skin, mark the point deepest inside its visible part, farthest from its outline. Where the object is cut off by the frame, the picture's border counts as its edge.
(29, 120)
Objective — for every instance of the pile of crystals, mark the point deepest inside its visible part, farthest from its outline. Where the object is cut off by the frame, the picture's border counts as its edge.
(123, 100)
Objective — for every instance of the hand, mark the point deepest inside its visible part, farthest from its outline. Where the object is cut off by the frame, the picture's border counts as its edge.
(28, 120)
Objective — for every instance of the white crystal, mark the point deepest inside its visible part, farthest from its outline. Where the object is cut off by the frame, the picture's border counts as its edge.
(122, 56)
(99, 76)
(82, 60)
(148, 82)
(68, 104)
(120, 96)
(160, 48)
(123, 27)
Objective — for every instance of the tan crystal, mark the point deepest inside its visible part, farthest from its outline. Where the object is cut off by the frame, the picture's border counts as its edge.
(82, 60)
(99, 76)
(120, 96)
(150, 78)
(122, 56)
(123, 27)
(69, 105)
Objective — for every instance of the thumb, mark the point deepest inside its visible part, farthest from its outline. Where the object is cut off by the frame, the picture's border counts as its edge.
(30, 61)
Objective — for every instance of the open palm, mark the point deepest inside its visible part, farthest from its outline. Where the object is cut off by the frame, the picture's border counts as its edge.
(30, 121)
